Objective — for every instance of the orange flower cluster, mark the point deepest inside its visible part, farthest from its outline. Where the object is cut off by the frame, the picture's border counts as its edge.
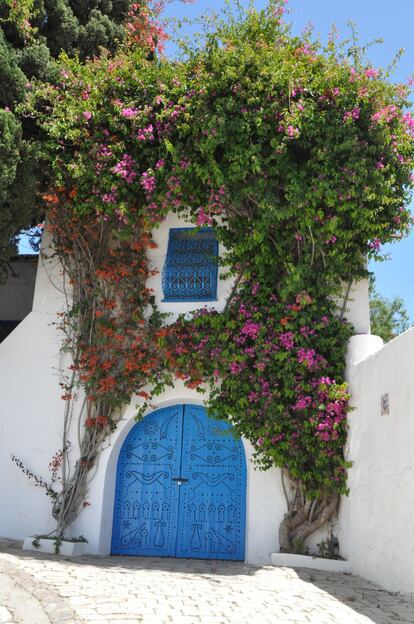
(119, 350)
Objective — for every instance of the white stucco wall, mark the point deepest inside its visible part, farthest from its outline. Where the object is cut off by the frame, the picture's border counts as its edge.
(376, 520)
(264, 506)
(356, 309)
(31, 415)
(30, 408)
(31, 422)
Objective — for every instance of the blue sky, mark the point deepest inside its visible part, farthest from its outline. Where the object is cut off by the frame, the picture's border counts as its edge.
(391, 21)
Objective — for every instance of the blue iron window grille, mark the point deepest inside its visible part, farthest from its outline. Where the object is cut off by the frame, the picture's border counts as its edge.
(191, 266)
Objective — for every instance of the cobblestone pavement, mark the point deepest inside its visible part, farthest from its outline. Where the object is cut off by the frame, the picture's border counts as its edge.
(50, 589)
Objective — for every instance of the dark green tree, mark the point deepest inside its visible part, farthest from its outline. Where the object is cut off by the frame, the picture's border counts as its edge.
(32, 35)
(389, 317)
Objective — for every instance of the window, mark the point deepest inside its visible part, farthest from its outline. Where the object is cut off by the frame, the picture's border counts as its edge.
(191, 266)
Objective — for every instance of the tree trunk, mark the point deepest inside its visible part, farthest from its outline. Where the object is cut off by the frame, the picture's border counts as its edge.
(303, 519)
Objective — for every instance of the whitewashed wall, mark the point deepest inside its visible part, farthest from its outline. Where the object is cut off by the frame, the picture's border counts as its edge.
(356, 306)
(30, 408)
(31, 420)
(265, 502)
(376, 520)
(31, 414)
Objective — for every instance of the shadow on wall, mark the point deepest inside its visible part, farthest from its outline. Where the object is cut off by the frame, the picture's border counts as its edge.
(16, 295)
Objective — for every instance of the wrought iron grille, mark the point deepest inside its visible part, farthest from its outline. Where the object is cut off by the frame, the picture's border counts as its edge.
(191, 265)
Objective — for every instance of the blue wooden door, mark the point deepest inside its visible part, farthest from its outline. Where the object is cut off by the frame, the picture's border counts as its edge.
(146, 497)
(211, 522)
(181, 484)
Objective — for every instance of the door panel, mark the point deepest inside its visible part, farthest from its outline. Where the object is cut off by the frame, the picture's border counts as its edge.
(180, 488)
(211, 520)
(146, 497)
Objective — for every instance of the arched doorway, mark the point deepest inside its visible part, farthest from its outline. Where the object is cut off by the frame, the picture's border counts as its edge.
(180, 488)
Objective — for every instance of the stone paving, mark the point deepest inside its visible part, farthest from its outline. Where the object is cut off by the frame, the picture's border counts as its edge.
(49, 589)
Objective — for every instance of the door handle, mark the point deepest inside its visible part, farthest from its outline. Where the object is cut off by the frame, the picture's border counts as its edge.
(179, 480)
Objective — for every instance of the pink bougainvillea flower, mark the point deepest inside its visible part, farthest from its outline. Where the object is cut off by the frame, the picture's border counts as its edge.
(409, 122)
(146, 134)
(129, 112)
(148, 182)
(110, 198)
(203, 218)
(125, 168)
(292, 132)
(375, 244)
(353, 114)
(236, 367)
(386, 114)
(251, 329)
(287, 340)
(302, 403)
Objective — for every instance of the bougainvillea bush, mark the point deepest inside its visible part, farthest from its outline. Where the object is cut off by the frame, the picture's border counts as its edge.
(300, 157)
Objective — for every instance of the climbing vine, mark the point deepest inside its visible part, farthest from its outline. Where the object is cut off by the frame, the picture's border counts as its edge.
(300, 157)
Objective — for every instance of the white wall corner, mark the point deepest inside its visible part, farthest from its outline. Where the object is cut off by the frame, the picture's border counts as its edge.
(355, 305)
(49, 294)
(360, 347)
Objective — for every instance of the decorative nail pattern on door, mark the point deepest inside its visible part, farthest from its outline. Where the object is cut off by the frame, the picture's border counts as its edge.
(211, 520)
(146, 497)
(181, 484)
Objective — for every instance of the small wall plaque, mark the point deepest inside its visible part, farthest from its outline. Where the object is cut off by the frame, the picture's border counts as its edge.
(385, 405)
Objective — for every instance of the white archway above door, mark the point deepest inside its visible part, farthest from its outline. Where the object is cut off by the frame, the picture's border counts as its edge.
(265, 504)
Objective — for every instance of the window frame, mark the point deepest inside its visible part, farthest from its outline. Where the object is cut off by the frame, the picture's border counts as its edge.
(214, 268)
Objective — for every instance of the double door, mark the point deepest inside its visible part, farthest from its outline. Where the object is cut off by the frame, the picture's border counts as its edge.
(181, 488)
